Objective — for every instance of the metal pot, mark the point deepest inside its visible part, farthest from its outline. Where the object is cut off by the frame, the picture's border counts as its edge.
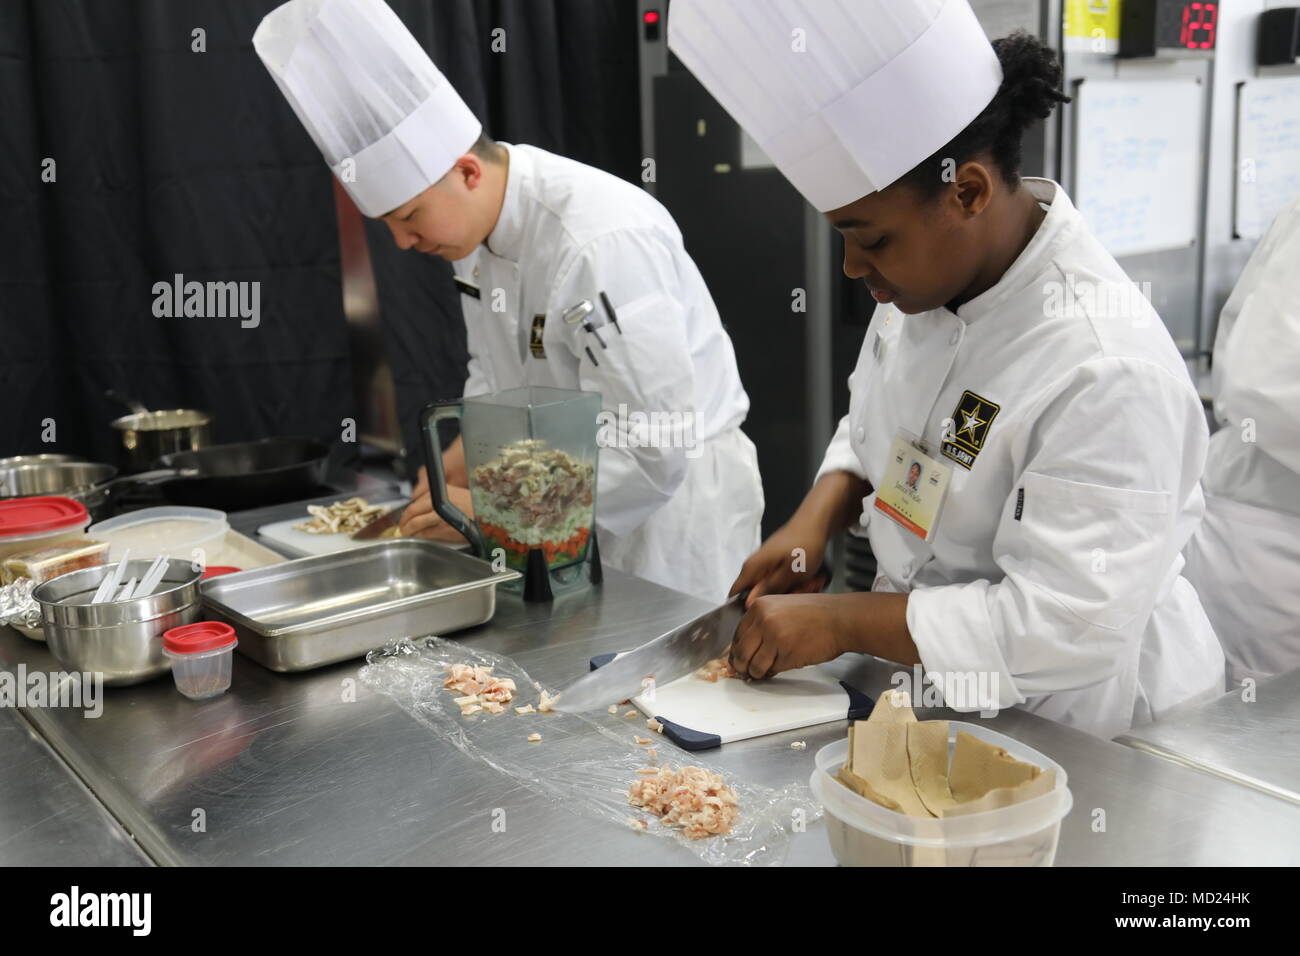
(85, 481)
(123, 640)
(48, 458)
(143, 437)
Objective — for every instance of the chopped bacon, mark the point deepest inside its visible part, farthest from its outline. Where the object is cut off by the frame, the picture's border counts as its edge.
(534, 738)
(630, 713)
(691, 798)
(547, 703)
(526, 709)
(479, 690)
(642, 741)
(717, 668)
(613, 708)
(655, 725)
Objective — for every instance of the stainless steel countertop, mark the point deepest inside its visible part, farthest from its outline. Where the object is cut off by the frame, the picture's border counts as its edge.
(286, 772)
(1255, 743)
(47, 816)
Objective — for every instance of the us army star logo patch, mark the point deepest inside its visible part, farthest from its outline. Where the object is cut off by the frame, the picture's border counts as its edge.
(970, 425)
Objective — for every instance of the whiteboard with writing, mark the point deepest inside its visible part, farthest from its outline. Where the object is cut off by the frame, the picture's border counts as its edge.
(1137, 160)
(1268, 152)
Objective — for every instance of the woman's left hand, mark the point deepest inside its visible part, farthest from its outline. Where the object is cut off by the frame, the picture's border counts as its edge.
(783, 631)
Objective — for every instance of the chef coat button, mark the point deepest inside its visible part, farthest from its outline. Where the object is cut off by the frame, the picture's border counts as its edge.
(860, 434)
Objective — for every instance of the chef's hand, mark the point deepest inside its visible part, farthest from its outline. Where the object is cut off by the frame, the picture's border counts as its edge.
(783, 631)
(789, 562)
(419, 520)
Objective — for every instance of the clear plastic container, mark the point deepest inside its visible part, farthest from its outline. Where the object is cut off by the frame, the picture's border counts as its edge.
(202, 658)
(863, 833)
(175, 531)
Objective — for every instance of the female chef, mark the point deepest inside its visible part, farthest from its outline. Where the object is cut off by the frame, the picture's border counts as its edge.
(534, 234)
(1059, 436)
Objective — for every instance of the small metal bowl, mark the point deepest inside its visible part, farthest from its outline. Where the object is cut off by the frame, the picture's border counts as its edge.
(120, 639)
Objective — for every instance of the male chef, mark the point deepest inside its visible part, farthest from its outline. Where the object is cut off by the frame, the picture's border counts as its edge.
(533, 236)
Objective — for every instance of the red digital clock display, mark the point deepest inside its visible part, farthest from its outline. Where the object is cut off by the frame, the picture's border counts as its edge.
(1150, 28)
(1199, 24)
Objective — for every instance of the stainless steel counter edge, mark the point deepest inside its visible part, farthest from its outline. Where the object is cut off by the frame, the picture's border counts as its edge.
(1223, 773)
(48, 816)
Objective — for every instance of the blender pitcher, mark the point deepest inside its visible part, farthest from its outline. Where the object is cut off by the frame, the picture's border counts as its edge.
(530, 456)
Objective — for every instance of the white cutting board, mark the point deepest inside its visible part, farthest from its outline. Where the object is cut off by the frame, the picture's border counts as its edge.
(698, 714)
(303, 544)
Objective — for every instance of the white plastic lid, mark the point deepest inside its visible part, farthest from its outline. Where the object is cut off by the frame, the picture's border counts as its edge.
(171, 530)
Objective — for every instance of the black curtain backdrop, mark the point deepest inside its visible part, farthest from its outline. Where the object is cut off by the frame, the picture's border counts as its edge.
(172, 161)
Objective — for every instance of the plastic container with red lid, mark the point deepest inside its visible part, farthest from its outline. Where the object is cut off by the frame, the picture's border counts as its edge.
(201, 655)
(217, 570)
(31, 524)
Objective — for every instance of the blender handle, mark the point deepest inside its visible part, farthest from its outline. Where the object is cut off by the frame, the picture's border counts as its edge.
(433, 413)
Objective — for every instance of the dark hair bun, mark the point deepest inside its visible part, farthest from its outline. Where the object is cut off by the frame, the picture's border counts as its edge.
(1031, 79)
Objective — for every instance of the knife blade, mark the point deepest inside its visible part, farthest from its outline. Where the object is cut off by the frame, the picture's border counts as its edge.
(666, 658)
(381, 524)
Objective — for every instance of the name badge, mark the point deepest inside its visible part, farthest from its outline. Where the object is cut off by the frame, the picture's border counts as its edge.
(913, 488)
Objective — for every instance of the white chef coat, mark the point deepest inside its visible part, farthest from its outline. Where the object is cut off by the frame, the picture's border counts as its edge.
(1243, 558)
(684, 513)
(1054, 565)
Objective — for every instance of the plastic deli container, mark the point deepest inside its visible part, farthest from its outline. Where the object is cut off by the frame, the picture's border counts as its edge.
(173, 530)
(201, 658)
(30, 524)
(863, 833)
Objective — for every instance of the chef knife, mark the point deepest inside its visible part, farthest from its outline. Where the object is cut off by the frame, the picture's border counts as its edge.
(666, 658)
(381, 524)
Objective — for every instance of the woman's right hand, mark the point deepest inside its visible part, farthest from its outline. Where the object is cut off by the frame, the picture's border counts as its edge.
(789, 562)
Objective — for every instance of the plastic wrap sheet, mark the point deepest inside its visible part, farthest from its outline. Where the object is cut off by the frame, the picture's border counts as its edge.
(585, 764)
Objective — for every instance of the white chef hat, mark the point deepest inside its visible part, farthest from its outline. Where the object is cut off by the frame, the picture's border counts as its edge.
(868, 90)
(386, 119)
